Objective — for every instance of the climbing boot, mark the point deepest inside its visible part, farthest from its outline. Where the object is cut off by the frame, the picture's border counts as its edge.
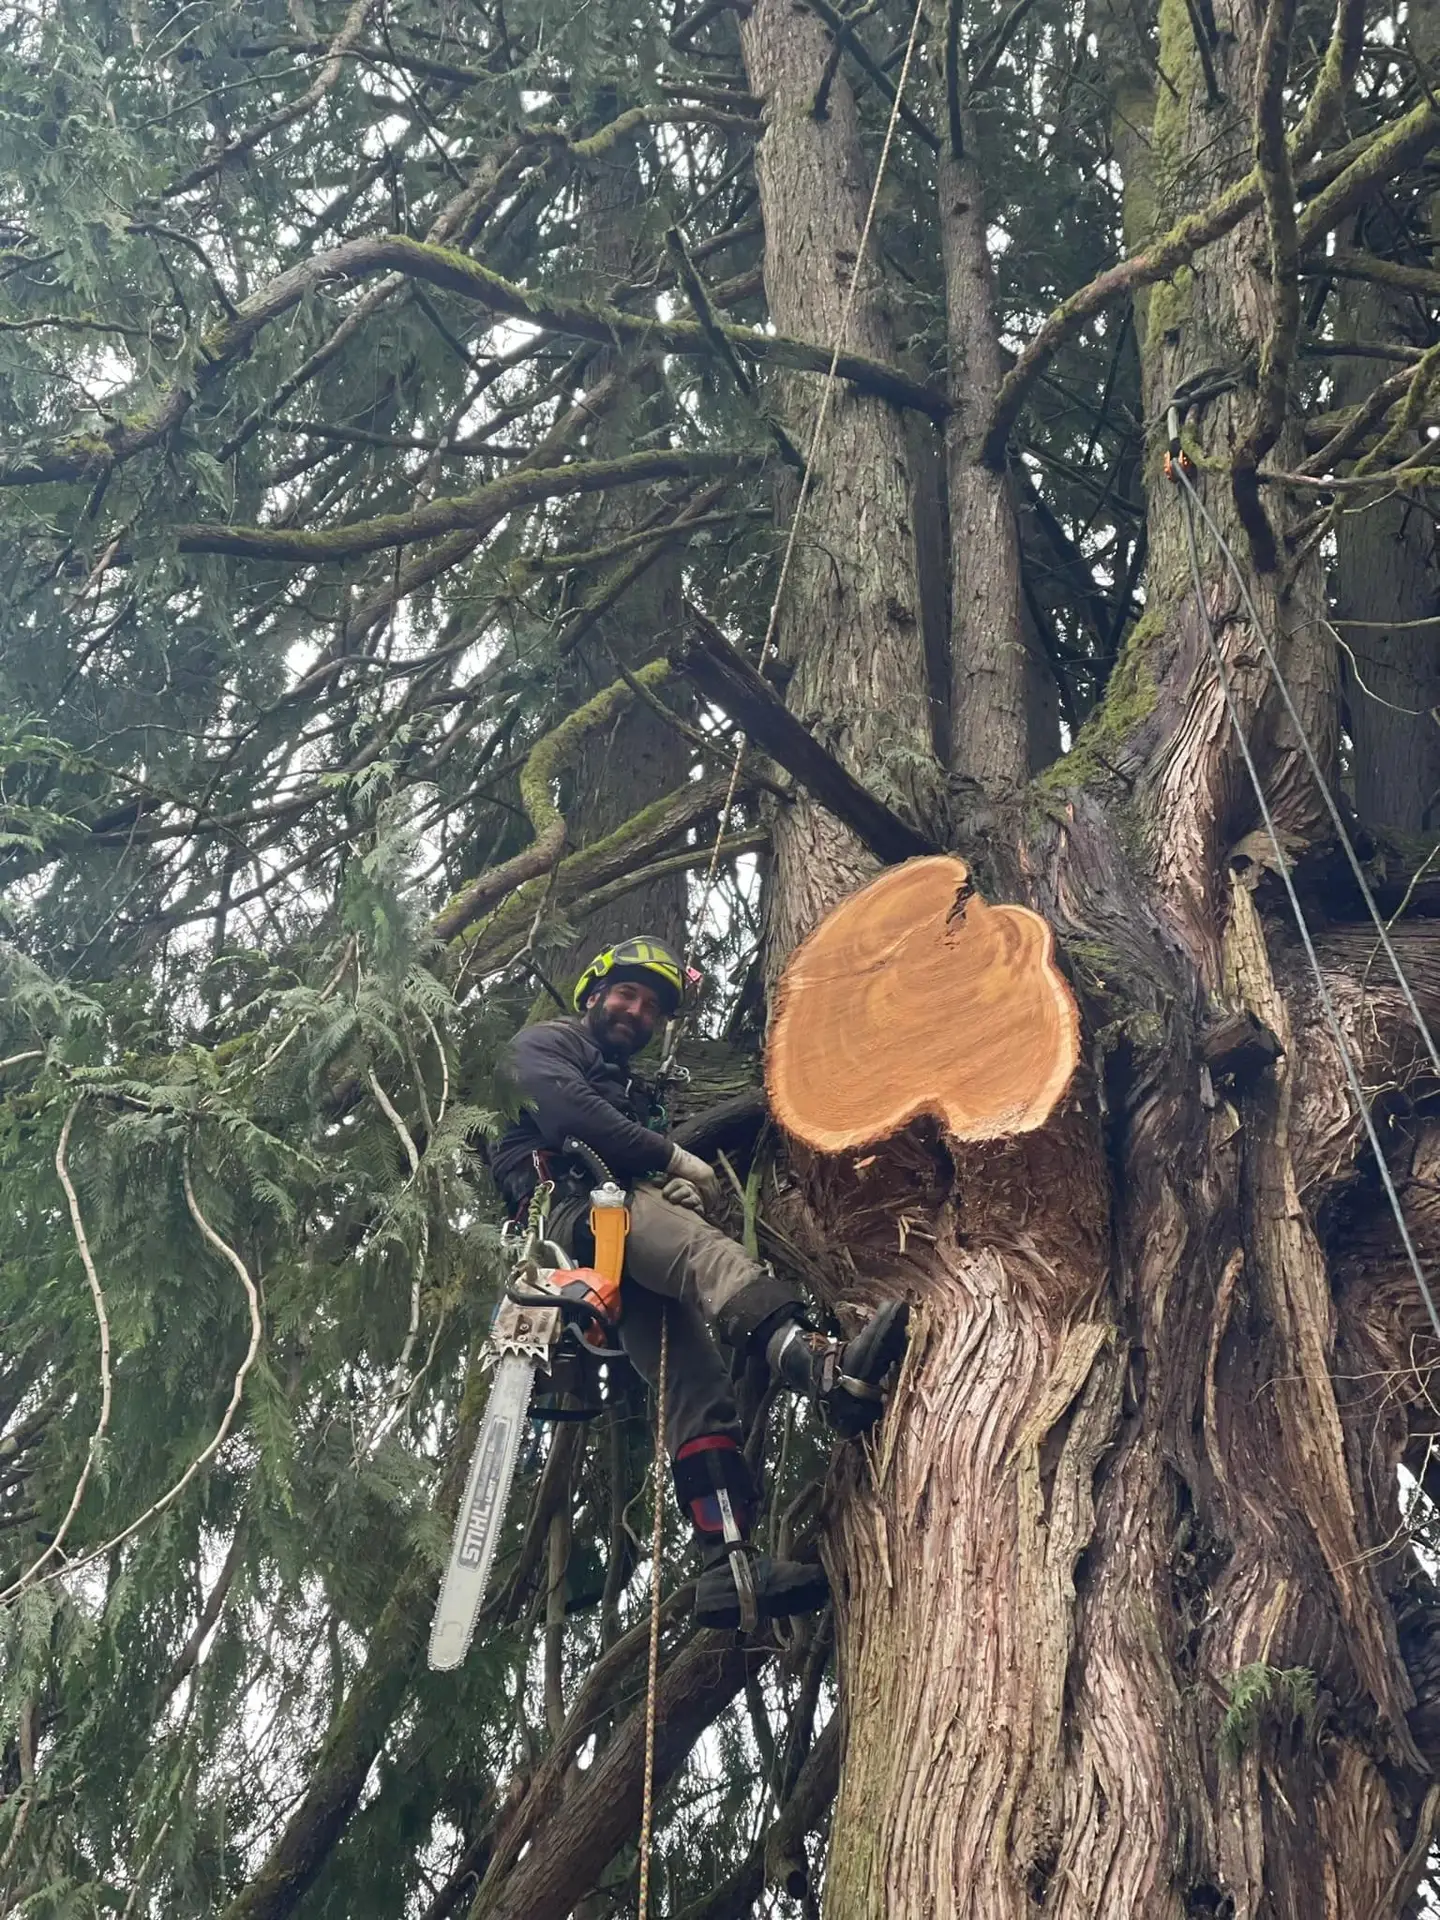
(762, 1589)
(843, 1377)
(737, 1588)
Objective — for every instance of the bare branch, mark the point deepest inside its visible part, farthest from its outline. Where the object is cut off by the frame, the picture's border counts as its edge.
(729, 679)
(251, 138)
(545, 817)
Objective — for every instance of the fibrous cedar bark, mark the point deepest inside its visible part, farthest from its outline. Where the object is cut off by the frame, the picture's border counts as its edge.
(1113, 1579)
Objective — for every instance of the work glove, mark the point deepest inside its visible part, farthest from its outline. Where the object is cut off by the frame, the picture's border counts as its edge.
(682, 1193)
(690, 1167)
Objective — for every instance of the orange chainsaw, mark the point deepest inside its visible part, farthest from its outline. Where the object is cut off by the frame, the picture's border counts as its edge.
(549, 1303)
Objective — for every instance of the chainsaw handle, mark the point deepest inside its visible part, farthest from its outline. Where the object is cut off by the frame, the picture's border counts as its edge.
(578, 1150)
(574, 1334)
(574, 1309)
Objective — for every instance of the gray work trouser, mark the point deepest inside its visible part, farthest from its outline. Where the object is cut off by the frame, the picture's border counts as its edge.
(676, 1264)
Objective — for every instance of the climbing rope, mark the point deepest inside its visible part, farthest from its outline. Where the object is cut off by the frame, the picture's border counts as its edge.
(677, 1025)
(1190, 500)
(657, 1544)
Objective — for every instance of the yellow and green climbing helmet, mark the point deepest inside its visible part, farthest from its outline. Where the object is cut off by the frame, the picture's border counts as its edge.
(640, 958)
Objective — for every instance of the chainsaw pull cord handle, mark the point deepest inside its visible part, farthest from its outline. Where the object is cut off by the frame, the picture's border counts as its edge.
(609, 1224)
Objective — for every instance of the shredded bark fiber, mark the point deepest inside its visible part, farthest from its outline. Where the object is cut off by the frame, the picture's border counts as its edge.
(913, 998)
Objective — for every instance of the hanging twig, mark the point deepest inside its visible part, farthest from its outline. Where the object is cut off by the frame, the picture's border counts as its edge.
(62, 1168)
(207, 1453)
(434, 1033)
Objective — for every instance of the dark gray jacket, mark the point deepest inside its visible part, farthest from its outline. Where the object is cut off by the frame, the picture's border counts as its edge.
(569, 1087)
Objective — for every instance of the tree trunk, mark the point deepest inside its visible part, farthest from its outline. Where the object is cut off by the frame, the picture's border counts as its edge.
(1111, 1582)
(851, 619)
(1385, 572)
(641, 756)
(991, 699)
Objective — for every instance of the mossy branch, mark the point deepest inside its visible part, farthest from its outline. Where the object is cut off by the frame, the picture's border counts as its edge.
(1389, 153)
(87, 455)
(730, 848)
(1356, 422)
(536, 777)
(1157, 262)
(1337, 70)
(1349, 263)
(619, 857)
(593, 145)
(463, 511)
(1381, 158)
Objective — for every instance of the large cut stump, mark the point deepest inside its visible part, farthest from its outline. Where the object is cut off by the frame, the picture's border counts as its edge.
(913, 998)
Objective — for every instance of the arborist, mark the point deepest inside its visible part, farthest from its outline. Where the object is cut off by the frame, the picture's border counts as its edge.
(573, 1077)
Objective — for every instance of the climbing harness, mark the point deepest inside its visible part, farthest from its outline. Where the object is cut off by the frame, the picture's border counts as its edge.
(553, 1315)
(1178, 469)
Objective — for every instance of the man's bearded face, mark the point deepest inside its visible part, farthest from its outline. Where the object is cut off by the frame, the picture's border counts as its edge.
(623, 1017)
